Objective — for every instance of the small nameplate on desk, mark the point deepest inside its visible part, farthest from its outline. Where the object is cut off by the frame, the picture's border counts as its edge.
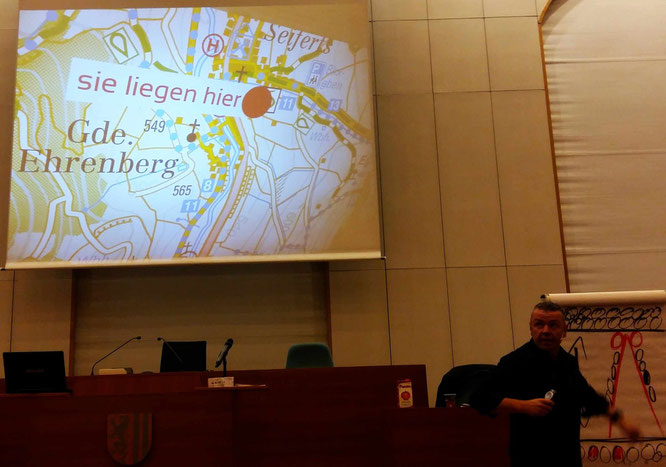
(116, 371)
(221, 382)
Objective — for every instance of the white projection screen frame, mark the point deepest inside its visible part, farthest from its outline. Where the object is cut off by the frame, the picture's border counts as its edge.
(176, 132)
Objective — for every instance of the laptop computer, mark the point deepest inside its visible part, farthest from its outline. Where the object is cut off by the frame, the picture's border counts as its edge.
(32, 372)
(183, 356)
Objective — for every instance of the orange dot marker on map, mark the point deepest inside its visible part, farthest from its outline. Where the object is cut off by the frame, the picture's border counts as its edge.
(257, 101)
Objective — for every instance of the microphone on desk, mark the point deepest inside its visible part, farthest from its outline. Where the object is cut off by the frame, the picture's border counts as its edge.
(162, 339)
(92, 370)
(222, 357)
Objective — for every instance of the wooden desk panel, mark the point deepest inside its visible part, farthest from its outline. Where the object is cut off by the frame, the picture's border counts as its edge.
(374, 386)
(325, 417)
(453, 437)
(68, 431)
(332, 436)
(328, 436)
(143, 383)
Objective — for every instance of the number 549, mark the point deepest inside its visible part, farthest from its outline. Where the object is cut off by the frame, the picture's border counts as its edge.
(154, 126)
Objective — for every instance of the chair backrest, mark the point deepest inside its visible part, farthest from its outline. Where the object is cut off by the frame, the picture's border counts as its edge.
(463, 381)
(311, 355)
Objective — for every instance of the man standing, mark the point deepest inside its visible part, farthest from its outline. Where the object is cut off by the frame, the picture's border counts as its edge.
(540, 386)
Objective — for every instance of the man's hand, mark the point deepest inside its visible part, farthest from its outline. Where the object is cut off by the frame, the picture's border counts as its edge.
(537, 407)
(630, 428)
(532, 407)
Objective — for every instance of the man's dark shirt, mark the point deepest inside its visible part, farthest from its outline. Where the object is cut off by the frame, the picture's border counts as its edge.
(529, 373)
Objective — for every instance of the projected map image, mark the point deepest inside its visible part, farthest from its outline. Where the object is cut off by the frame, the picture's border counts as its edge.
(189, 133)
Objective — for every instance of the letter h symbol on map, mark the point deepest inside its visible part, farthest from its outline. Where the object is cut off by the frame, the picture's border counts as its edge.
(213, 45)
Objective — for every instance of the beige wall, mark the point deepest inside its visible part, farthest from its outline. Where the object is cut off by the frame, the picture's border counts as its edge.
(264, 308)
(35, 311)
(468, 195)
(469, 219)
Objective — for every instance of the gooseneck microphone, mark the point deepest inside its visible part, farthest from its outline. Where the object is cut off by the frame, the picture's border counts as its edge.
(222, 358)
(223, 353)
(162, 339)
(92, 370)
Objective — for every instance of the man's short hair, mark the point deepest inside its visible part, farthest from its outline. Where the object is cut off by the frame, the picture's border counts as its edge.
(549, 306)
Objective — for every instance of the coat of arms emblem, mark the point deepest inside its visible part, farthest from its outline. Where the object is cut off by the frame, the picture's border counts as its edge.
(129, 436)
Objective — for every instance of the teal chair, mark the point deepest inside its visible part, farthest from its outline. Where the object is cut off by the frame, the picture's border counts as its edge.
(312, 355)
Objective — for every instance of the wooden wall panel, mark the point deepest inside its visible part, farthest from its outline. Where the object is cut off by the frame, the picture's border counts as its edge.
(359, 318)
(468, 174)
(480, 314)
(459, 61)
(410, 184)
(526, 285)
(527, 184)
(42, 311)
(402, 57)
(419, 321)
(494, 8)
(514, 54)
(443, 9)
(399, 9)
(264, 308)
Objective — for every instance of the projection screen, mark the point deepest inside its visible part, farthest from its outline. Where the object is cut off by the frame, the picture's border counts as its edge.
(193, 134)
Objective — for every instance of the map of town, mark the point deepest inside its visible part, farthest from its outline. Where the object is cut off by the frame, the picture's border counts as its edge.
(162, 134)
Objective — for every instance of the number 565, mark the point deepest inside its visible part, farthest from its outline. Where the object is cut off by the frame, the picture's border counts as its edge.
(182, 190)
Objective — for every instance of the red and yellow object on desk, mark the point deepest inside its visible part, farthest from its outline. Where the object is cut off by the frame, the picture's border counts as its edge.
(405, 396)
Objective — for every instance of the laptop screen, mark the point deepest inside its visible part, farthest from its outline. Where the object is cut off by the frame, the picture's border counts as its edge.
(183, 356)
(32, 372)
